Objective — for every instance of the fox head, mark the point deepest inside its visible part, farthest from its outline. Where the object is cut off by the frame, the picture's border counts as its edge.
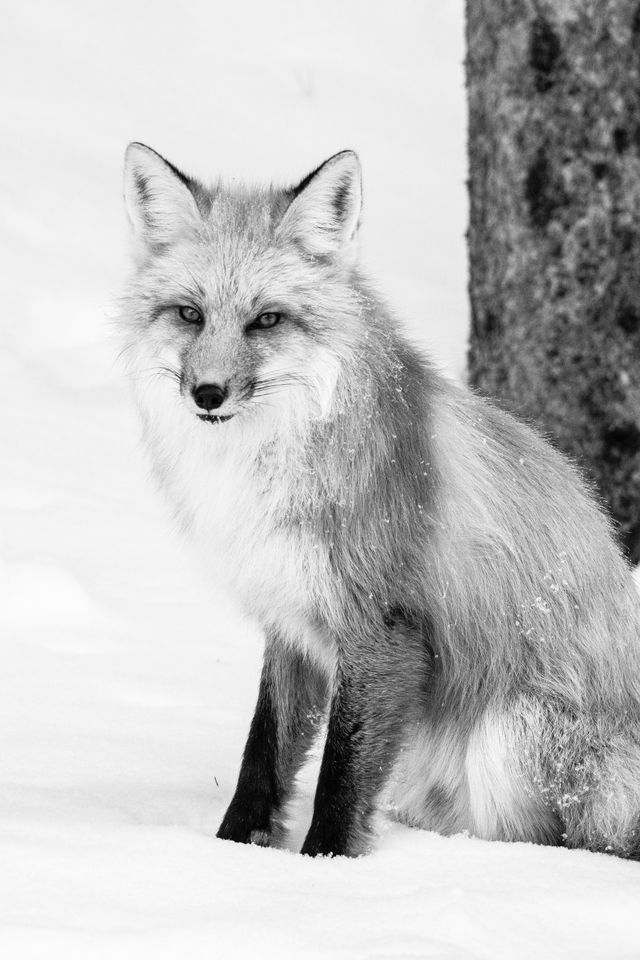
(243, 305)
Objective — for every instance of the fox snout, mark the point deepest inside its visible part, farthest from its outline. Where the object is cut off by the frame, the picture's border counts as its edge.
(209, 396)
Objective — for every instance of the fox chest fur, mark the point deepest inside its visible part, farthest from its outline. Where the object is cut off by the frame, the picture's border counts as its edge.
(248, 513)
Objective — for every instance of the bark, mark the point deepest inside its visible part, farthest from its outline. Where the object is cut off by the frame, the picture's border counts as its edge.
(554, 234)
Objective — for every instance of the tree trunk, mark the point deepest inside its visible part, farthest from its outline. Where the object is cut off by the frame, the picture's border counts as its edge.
(554, 234)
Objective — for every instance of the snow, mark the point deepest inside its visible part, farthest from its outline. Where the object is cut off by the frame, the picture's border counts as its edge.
(126, 683)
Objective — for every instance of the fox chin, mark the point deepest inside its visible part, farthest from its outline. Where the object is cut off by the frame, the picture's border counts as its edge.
(437, 586)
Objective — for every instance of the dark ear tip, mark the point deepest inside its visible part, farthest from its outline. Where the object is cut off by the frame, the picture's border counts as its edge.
(344, 155)
(350, 155)
(133, 148)
(136, 147)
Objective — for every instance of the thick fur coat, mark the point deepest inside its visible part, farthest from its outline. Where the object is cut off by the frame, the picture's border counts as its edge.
(434, 580)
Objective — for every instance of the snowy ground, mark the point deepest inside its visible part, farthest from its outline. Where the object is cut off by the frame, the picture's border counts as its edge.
(126, 687)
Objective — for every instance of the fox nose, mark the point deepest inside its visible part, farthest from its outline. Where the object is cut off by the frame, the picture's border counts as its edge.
(209, 396)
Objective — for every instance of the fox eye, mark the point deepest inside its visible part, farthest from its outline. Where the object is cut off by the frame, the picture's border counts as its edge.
(189, 314)
(265, 321)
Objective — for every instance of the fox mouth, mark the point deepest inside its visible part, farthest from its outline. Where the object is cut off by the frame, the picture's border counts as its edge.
(211, 418)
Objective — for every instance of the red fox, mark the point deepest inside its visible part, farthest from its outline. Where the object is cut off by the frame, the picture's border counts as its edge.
(433, 579)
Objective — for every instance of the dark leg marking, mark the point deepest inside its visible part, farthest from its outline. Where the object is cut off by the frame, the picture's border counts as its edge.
(382, 688)
(291, 702)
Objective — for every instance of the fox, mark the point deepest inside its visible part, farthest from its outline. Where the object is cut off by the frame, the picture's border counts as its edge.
(444, 607)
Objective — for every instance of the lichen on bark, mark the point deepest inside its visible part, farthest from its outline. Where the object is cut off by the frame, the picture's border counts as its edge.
(554, 232)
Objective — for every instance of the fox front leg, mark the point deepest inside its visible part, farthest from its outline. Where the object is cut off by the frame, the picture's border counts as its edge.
(379, 694)
(291, 702)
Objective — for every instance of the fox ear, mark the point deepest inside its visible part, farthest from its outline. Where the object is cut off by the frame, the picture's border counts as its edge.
(324, 213)
(157, 196)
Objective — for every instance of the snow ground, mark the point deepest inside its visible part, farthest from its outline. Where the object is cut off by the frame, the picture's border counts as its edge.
(126, 687)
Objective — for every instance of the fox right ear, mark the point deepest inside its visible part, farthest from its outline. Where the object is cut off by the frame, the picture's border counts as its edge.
(324, 214)
(157, 196)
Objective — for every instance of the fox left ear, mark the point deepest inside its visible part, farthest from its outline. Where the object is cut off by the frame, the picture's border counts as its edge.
(325, 211)
(157, 195)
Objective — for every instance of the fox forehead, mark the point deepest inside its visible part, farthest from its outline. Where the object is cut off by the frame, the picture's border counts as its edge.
(243, 211)
(233, 259)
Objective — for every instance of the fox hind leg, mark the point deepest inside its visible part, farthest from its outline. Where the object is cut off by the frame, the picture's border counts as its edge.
(467, 771)
(599, 799)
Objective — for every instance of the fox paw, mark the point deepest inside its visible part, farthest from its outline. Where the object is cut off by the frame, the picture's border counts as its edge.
(246, 823)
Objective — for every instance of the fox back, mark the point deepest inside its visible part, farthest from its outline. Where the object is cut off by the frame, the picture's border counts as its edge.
(430, 574)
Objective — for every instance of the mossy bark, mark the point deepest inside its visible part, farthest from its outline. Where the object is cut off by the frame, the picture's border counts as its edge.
(554, 234)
